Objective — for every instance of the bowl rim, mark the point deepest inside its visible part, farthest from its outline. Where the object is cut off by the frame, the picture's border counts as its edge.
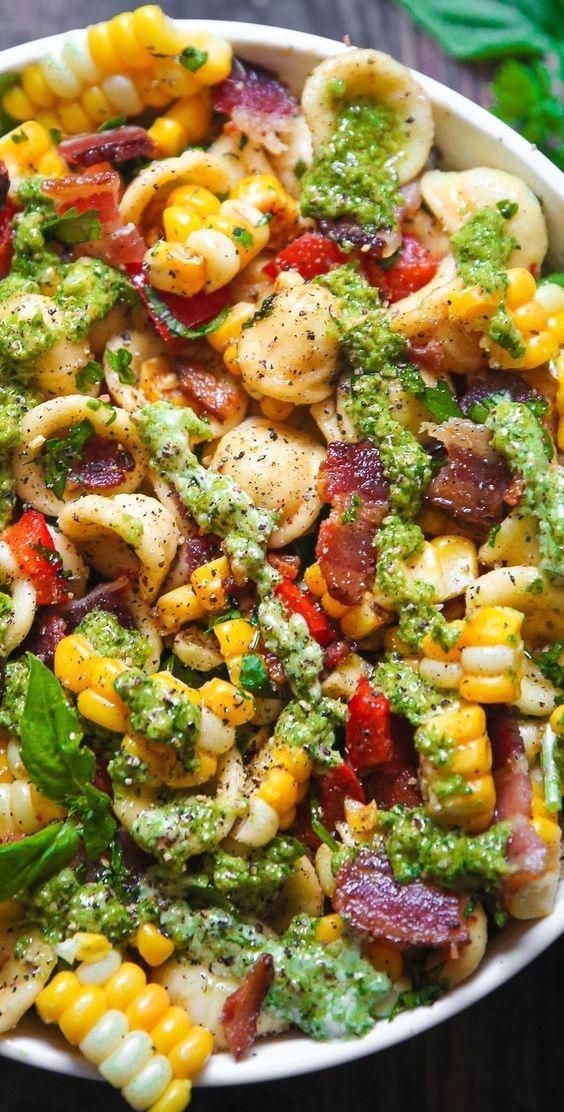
(292, 1055)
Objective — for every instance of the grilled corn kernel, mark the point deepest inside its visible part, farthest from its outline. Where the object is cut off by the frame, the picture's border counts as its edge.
(278, 790)
(333, 608)
(175, 268)
(293, 759)
(236, 637)
(230, 330)
(530, 317)
(314, 580)
(462, 724)
(194, 197)
(208, 583)
(153, 945)
(167, 135)
(103, 674)
(103, 711)
(362, 818)
(492, 625)
(206, 767)
(233, 706)
(329, 928)
(189, 1056)
(172, 1029)
(178, 607)
(175, 1098)
(521, 287)
(386, 958)
(556, 720)
(148, 1008)
(555, 325)
(81, 1015)
(36, 87)
(434, 651)
(489, 689)
(472, 304)
(287, 818)
(57, 996)
(74, 657)
(363, 620)
(124, 986)
(179, 222)
(91, 946)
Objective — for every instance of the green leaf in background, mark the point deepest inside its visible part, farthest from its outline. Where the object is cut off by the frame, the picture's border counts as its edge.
(525, 98)
(486, 29)
(35, 858)
(6, 82)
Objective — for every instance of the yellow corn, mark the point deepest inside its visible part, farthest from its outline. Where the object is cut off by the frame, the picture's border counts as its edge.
(292, 758)
(154, 947)
(173, 268)
(209, 581)
(185, 123)
(231, 359)
(329, 928)
(462, 732)
(364, 619)
(386, 958)
(314, 580)
(103, 711)
(267, 194)
(332, 607)
(91, 946)
(74, 657)
(195, 200)
(279, 790)
(492, 655)
(178, 607)
(144, 1046)
(556, 720)
(236, 637)
(29, 149)
(555, 325)
(545, 822)
(362, 818)
(229, 703)
(521, 287)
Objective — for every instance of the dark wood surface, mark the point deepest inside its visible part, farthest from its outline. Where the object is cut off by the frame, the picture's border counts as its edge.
(505, 1054)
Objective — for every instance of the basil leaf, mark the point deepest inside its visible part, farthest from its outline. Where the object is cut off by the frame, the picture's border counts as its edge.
(109, 125)
(58, 456)
(35, 858)
(51, 738)
(557, 279)
(438, 399)
(120, 362)
(74, 227)
(193, 59)
(254, 676)
(175, 326)
(90, 375)
(98, 822)
(487, 28)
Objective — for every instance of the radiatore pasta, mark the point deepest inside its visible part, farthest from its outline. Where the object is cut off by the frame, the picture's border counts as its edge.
(281, 571)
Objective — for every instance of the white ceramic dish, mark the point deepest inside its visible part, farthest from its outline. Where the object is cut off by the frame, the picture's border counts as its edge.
(466, 136)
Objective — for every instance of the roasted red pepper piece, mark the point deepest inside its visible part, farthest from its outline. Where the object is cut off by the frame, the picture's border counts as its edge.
(311, 255)
(336, 786)
(242, 1009)
(302, 602)
(368, 732)
(32, 545)
(415, 267)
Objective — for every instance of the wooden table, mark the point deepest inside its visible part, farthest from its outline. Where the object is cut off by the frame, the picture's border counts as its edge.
(506, 1054)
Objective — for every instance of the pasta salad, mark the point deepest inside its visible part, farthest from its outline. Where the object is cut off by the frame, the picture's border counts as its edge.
(281, 552)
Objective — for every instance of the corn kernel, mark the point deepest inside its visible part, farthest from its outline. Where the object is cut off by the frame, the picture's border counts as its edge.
(175, 1098)
(471, 758)
(315, 581)
(219, 56)
(167, 135)
(472, 304)
(125, 985)
(58, 995)
(363, 620)
(189, 1056)
(208, 583)
(36, 88)
(492, 625)
(462, 724)
(555, 325)
(489, 689)
(96, 104)
(233, 706)
(531, 317)
(236, 637)
(334, 608)
(73, 118)
(179, 222)
(154, 947)
(294, 760)
(230, 359)
(556, 720)
(17, 104)
(230, 329)
(287, 818)
(329, 928)
(148, 1008)
(83, 1013)
(173, 267)
(103, 711)
(434, 651)
(521, 287)
(386, 958)
(91, 946)
(206, 767)
(540, 349)
(194, 116)
(362, 818)
(170, 1030)
(278, 790)
(74, 657)
(178, 607)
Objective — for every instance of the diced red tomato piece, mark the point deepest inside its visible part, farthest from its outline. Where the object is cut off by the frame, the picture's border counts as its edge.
(338, 784)
(32, 545)
(415, 267)
(368, 733)
(302, 602)
(170, 313)
(6, 237)
(311, 255)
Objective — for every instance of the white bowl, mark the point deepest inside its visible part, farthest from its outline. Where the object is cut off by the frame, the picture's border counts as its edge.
(466, 136)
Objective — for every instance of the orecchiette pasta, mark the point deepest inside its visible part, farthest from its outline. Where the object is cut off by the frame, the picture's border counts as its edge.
(377, 77)
(453, 196)
(57, 368)
(74, 567)
(291, 354)
(23, 810)
(53, 419)
(22, 975)
(277, 467)
(23, 598)
(145, 197)
(526, 589)
(129, 532)
(141, 346)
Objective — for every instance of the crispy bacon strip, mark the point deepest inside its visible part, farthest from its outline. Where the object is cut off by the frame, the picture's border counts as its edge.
(353, 481)
(102, 465)
(413, 914)
(470, 488)
(207, 394)
(526, 852)
(97, 189)
(117, 144)
(242, 1009)
(258, 104)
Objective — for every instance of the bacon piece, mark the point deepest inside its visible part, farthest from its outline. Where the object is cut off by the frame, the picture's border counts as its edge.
(396, 782)
(52, 624)
(336, 654)
(414, 914)
(372, 244)
(102, 465)
(470, 488)
(47, 630)
(4, 183)
(207, 394)
(430, 355)
(259, 105)
(337, 785)
(97, 190)
(526, 852)
(497, 382)
(6, 236)
(286, 565)
(242, 1009)
(117, 144)
(353, 480)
